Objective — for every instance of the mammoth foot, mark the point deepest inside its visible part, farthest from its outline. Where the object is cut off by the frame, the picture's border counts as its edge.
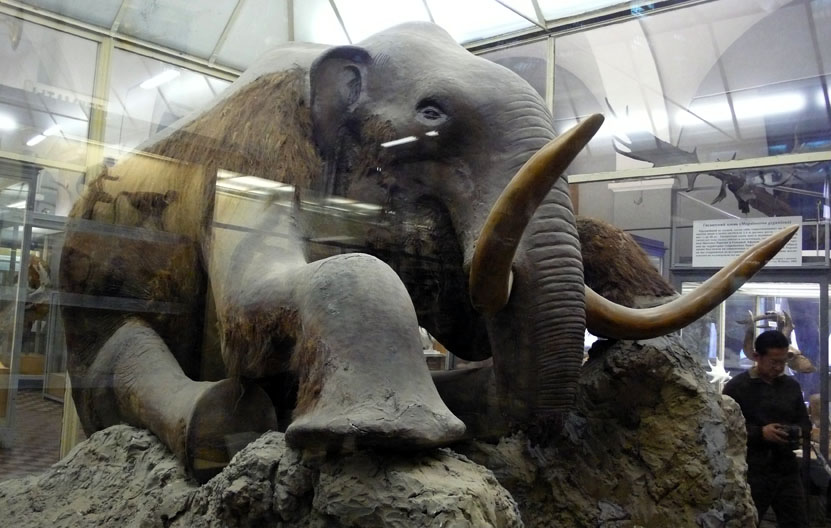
(227, 416)
(413, 426)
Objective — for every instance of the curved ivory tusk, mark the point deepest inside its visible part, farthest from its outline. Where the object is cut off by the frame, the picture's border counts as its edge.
(490, 269)
(607, 319)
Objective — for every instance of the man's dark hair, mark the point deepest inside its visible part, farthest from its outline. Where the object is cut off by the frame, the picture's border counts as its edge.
(770, 339)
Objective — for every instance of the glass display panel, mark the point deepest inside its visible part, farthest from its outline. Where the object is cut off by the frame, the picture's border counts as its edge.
(642, 207)
(314, 21)
(148, 95)
(191, 27)
(792, 308)
(208, 269)
(259, 25)
(384, 14)
(46, 79)
(526, 60)
(11, 241)
(793, 190)
(468, 20)
(97, 12)
(524, 7)
(708, 82)
(554, 9)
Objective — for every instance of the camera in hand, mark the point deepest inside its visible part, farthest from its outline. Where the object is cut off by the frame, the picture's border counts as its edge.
(794, 433)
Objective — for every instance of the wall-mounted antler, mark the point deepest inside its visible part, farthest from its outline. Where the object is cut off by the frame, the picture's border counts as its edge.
(796, 360)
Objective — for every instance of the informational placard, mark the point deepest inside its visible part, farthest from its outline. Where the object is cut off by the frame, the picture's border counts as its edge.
(717, 242)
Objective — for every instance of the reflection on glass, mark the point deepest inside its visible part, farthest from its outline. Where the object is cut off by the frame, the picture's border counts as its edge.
(315, 21)
(792, 190)
(526, 60)
(97, 12)
(468, 20)
(792, 308)
(192, 27)
(11, 260)
(147, 95)
(554, 9)
(259, 25)
(701, 85)
(384, 15)
(46, 79)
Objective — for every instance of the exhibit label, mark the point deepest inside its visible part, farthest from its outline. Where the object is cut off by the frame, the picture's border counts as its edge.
(717, 242)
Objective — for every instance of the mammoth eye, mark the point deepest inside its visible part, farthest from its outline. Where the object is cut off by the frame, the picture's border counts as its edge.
(430, 114)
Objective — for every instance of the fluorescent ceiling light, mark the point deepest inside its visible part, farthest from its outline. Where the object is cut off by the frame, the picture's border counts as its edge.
(642, 185)
(7, 123)
(160, 79)
(432, 133)
(339, 200)
(368, 207)
(228, 184)
(52, 130)
(396, 142)
(745, 108)
(34, 140)
(254, 181)
(804, 290)
(17, 205)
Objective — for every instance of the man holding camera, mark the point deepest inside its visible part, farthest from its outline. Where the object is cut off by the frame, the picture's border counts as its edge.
(776, 418)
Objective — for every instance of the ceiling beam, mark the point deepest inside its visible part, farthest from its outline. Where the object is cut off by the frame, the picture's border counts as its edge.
(429, 13)
(340, 20)
(225, 31)
(538, 11)
(516, 12)
(122, 10)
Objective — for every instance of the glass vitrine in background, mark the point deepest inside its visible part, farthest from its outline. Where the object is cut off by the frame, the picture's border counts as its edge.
(15, 235)
(741, 191)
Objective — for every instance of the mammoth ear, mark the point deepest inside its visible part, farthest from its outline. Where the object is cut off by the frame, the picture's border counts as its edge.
(336, 80)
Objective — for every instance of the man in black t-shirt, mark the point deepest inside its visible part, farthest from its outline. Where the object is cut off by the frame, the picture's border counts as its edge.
(775, 415)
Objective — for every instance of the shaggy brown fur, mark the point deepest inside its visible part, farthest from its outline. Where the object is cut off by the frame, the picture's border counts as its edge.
(615, 266)
(263, 130)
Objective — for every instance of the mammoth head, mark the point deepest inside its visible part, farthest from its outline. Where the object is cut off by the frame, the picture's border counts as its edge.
(411, 121)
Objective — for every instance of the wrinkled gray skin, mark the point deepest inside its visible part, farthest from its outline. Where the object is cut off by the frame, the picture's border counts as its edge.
(489, 122)
(344, 326)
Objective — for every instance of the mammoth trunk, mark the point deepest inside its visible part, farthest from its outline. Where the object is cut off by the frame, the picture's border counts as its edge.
(540, 334)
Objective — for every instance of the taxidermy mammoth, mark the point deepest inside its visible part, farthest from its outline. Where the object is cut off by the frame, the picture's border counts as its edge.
(160, 271)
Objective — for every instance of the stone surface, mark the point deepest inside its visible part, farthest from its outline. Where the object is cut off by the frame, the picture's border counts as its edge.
(125, 477)
(650, 444)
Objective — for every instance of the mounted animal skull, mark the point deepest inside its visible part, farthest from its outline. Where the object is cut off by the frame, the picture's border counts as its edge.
(160, 270)
(797, 361)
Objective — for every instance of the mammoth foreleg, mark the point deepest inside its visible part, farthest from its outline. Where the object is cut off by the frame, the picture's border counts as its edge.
(358, 359)
(203, 423)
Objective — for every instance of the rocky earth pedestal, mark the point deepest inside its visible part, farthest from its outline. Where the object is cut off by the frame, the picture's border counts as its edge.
(650, 444)
(125, 477)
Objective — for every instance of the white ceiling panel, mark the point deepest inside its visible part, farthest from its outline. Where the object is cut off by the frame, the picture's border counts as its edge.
(259, 25)
(315, 21)
(468, 20)
(96, 12)
(192, 27)
(363, 18)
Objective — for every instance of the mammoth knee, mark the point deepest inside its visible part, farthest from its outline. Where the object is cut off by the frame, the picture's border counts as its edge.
(360, 275)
